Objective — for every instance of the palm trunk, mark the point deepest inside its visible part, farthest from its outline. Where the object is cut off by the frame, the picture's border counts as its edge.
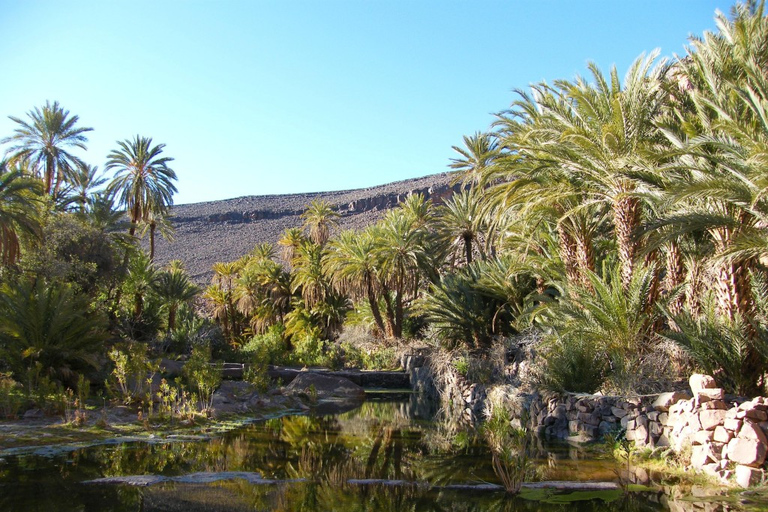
(49, 170)
(171, 317)
(675, 275)
(585, 259)
(568, 255)
(468, 248)
(374, 303)
(626, 218)
(390, 332)
(152, 227)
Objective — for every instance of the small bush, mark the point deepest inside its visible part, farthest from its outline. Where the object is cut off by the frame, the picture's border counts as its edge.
(269, 347)
(202, 376)
(133, 371)
(309, 351)
(11, 398)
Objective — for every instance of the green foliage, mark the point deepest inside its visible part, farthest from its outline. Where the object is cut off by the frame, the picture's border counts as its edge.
(462, 366)
(574, 365)
(309, 351)
(133, 370)
(480, 301)
(722, 347)
(202, 376)
(595, 332)
(11, 398)
(47, 325)
(76, 252)
(509, 451)
(269, 347)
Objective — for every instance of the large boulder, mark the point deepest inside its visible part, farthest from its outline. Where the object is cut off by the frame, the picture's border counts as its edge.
(699, 381)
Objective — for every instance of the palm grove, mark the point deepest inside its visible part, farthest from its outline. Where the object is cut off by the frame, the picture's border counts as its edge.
(622, 220)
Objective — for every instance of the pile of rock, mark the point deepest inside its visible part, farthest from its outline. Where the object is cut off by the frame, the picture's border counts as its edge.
(727, 438)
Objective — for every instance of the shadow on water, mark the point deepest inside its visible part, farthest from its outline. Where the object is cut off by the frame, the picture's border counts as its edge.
(313, 459)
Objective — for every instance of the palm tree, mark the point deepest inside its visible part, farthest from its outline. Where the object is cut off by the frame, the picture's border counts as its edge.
(351, 264)
(289, 243)
(47, 325)
(319, 218)
(83, 182)
(221, 293)
(479, 152)
(143, 181)
(174, 289)
(18, 212)
(461, 223)
(44, 140)
(309, 279)
(402, 250)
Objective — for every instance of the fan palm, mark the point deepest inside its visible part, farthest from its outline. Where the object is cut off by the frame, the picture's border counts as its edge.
(44, 140)
(143, 181)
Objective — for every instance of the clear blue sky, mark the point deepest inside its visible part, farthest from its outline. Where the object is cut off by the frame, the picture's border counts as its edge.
(268, 97)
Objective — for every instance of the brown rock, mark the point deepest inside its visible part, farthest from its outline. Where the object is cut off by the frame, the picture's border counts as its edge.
(700, 381)
(714, 404)
(707, 395)
(751, 431)
(747, 476)
(667, 400)
(748, 452)
(732, 424)
(711, 418)
(703, 437)
(700, 456)
(722, 435)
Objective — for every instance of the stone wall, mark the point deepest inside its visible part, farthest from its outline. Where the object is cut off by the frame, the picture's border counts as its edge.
(726, 437)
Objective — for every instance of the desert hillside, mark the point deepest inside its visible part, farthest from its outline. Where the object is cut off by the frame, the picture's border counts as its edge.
(225, 230)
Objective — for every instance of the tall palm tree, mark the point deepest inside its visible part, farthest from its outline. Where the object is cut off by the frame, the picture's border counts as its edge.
(403, 253)
(44, 141)
(351, 264)
(479, 152)
(174, 289)
(18, 212)
(289, 243)
(143, 181)
(319, 218)
(84, 180)
(461, 224)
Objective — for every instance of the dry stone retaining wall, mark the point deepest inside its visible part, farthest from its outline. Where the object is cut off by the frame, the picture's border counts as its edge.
(726, 438)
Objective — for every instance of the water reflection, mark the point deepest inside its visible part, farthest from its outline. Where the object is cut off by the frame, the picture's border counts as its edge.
(379, 440)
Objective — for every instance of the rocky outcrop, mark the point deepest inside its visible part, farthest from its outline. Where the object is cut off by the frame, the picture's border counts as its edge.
(208, 232)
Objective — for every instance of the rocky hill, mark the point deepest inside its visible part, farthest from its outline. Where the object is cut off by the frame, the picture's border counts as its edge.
(225, 230)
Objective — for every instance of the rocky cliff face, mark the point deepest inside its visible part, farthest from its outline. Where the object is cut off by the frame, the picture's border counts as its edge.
(225, 230)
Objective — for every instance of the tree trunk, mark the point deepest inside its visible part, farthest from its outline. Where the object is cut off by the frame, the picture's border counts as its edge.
(626, 218)
(568, 255)
(49, 170)
(675, 275)
(171, 318)
(585, 259)
(374, 303)
(152, 227)
(468, 248)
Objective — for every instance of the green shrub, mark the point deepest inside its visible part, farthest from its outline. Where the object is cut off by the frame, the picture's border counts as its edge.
(11, 398)
(309, 351)
(202, 376)
(132, 373)
(270, 347)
